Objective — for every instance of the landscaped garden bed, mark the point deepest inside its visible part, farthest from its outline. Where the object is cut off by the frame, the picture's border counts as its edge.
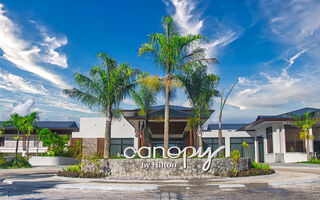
(312, 161)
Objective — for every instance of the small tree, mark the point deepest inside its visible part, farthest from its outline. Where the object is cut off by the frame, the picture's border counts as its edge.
(15, 121)
(145, 98)
(56, 144)
(223, 101)
(305, 123)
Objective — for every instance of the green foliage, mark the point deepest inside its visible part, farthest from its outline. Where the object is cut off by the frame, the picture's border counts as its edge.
(305, 123)
(312, 161)
(75, 151)
(56, 143)
(17, 162)
(260, 166)
(235, 155)
(105, 87)
(73, 168)
(2, 160)
(250, 172)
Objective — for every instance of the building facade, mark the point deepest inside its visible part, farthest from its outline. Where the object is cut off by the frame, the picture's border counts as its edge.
(8, 142)
(270, 139)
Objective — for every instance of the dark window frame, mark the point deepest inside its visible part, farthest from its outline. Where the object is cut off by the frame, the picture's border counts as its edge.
(241, 150)
(214, 142)
(298, 145)
(269, 137)
(120, 143)
(2, 141)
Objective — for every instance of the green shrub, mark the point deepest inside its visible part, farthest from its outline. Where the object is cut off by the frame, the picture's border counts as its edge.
(18, 162)
(73, 168)
(57, 144)
(312, 161)
(235, 155)
(251, 172)
(260, 166)
(2, 160)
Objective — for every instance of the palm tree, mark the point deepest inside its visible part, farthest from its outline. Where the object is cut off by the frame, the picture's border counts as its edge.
(105, 87)
(15, 121)
(30, 126)
(145, 98)
(305, 123)
(171, 51)
(200, 88)
(223, 101)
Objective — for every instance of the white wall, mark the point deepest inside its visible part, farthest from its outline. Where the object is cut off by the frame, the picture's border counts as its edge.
(94, 127)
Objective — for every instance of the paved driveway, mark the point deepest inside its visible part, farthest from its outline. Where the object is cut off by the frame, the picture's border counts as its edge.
(252, 189)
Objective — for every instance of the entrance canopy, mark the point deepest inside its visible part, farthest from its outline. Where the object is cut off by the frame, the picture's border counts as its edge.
(178, 117)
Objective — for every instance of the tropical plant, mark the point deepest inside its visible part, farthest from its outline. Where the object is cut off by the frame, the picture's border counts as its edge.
(145, 98)
(30, 125)
(191, 127)
(56, 144)
(105, 87)
(235, 155)
(223, 101)
(305, 123)
(246, 149)
(15, 121)
(172, 52)
(200, 88)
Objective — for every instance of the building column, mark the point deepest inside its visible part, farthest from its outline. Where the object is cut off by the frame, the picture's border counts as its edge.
(256, 150)
(310, 141)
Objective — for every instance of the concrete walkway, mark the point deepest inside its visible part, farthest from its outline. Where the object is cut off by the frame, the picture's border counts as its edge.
(46, 178)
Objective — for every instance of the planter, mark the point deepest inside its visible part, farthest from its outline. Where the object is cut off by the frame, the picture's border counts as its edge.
(52, 161)
(156, 169)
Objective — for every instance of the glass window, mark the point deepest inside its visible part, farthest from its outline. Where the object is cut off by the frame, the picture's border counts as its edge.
(236, 143)
(316, 140)
(119, 144)
(1, 141)
(213, 143)
(269, 140)
(293, 141)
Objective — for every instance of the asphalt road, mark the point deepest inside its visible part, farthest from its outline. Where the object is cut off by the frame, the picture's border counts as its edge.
(198, 191)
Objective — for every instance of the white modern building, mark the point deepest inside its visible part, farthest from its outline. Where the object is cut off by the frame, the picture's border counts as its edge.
(270, 138)
(8, 141)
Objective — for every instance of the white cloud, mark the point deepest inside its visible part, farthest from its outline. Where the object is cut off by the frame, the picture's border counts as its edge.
(186, 21)
(292, 59)
(275, 91)
(295, 22)
(15, 83)
(26, 55)
(23, 109)
(190, 23)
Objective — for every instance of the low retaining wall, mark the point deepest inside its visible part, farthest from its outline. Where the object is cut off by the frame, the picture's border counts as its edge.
(153, 169)
(51, 161)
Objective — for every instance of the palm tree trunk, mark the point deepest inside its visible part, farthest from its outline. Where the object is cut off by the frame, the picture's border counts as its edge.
(28, 145)
(199, 130)
(166, 119)
(17, 144)
(37, 146)
(107, 133)
(220, 135)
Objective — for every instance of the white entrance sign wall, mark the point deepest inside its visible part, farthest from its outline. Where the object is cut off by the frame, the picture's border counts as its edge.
(206, 166)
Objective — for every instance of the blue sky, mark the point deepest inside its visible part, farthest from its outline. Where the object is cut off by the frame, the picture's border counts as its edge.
(271, 47)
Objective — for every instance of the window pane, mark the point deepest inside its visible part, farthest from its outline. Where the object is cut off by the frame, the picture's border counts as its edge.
(248, 140)
(293, 141)
(236, 140)
(127, 141)
(115, 149)
(115, 141)
(2, 141)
